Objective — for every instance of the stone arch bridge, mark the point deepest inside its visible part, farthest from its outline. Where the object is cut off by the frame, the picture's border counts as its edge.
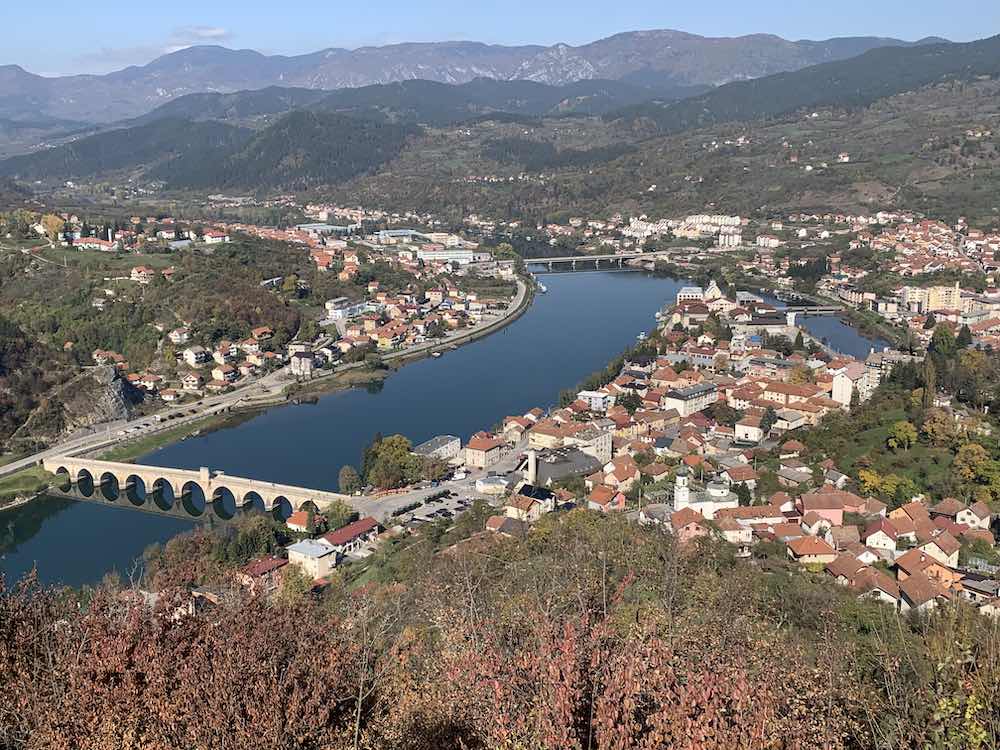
(178, 490)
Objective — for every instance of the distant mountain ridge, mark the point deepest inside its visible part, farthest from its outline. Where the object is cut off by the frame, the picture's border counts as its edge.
(663, 57)
(334, 136)
(855, 82)
(419, 101)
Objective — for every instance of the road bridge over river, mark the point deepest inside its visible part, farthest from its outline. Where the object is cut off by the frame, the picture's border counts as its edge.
(620, 258)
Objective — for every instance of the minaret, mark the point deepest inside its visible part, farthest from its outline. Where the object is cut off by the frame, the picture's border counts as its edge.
(682, 492)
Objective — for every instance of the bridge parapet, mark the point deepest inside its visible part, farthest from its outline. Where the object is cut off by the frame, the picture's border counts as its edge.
(181, 481)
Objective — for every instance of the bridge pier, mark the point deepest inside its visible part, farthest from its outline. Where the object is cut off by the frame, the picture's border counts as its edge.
(574, 264)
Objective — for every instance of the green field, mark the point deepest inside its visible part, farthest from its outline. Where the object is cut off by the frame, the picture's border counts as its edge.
(25, 482)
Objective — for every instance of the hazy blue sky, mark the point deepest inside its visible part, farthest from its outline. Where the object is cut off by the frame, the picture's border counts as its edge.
(61, 37)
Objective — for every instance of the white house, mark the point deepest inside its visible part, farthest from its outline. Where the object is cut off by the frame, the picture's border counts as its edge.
(599, 401)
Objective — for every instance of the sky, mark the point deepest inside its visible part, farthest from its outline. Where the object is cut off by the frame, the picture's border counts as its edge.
(97, 37)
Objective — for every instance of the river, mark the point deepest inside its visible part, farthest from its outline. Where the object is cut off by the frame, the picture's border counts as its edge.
(584, 321)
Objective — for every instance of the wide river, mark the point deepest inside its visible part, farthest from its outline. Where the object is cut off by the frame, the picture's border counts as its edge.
(583, 321)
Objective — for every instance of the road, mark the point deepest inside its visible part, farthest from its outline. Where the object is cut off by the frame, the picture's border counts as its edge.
(383, 507)
(262, 391)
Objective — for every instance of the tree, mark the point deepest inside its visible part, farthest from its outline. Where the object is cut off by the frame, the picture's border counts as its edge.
(972, 463)
(349, 480)
(938, 428)
(53, 226)
(800, 375)
(388, 463)
(631, 401)
(930, 323)
(930, 383)
(743, 493)
(800, 343)
(943, 342)
(902, 435)
(295, 585)
(964, 339)
(768, 420)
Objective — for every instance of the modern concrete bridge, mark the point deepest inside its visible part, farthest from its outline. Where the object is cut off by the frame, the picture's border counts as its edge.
(170, 490)
(595, 259)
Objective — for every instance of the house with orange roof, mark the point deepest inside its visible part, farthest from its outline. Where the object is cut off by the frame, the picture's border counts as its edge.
(811, 550)
(606, 499)
(484, 450)
(688, 524)
(918, 561)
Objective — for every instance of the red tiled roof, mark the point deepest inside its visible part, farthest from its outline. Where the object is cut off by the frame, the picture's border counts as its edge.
(351, 532)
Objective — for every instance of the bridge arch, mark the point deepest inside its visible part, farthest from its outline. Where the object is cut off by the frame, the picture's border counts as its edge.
(309, 505)
(163, 494)
(253, 503)
(64, 480)
(281, 508)
(110, 487)
(135, 489)
(85, 483)
(193, 499)
(224, 503)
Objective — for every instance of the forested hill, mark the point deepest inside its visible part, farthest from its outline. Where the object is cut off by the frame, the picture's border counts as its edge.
(423, 102)
(855, 82)
(240, 105)
(301, 150)
(126, 149)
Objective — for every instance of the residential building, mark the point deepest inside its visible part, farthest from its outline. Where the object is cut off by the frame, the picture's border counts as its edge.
(315, 558)
(484, 450)
(352, 537)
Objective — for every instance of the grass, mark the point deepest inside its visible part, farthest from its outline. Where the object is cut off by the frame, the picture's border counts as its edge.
(129, 451)
(925, 465)
(25, 482)
(97, 260)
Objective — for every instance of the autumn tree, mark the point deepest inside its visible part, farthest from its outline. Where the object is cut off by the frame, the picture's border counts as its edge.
(349, 480)
(53, 226)
(938, 427)
(902, 435)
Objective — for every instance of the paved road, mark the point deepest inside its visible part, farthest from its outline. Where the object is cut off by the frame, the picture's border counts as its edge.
(261, 390)
(382, 507)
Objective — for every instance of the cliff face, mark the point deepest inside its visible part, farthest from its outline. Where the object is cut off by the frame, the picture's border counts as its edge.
(95, 396)
(100, 395)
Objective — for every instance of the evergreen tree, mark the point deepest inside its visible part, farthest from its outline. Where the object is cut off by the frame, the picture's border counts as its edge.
(930, 383)
(964, 339)
(743, 493)
(768, 420)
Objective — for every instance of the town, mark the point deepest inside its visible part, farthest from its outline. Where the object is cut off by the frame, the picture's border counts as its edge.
(697, 435)
(586, 382)
(696, 432)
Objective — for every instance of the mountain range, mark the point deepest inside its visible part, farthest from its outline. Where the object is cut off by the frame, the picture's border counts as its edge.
(301, 139)
(661, 58)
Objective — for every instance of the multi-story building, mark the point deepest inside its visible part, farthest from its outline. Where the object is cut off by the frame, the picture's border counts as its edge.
(692, 399)
(931, 299)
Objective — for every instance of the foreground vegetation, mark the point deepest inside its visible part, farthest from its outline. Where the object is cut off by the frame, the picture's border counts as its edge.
(590, 633)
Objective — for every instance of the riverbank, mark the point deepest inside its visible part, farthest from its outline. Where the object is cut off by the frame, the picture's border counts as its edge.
(24, 484)
(21, 488)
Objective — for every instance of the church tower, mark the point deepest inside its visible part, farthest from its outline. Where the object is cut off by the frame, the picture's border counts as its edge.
(682, 492)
